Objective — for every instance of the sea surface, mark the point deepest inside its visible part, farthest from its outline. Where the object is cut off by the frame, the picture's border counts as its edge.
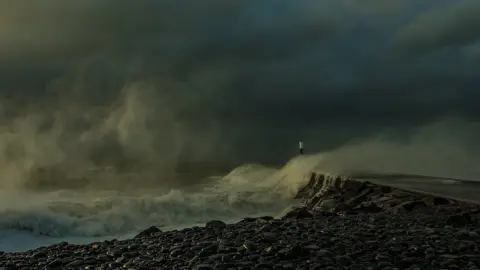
(123, 205)
(34, 218)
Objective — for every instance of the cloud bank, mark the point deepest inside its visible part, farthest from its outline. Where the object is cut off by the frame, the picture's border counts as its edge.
(163, 81)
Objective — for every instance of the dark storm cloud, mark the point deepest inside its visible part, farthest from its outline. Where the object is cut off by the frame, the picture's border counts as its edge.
(245, 72)
(454, 25)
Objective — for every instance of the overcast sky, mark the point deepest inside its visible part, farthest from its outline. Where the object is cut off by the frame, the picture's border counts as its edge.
(253, 75)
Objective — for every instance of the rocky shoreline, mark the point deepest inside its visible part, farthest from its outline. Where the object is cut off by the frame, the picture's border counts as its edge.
(344, 224)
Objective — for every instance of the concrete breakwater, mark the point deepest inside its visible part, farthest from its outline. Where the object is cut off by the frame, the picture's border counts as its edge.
(331, 193)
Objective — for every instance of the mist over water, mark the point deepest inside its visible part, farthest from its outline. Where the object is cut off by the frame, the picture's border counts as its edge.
(90, 215)
(115, 116)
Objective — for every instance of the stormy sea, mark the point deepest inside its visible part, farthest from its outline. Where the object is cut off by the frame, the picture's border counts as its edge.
(84, 214)
(105, 203)
(119, 115)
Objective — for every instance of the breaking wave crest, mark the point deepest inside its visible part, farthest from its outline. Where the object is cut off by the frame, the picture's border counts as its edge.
(248, 190)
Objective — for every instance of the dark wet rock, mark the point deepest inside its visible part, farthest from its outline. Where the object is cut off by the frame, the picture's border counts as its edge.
(436, 201)
(55, 263)
(343, 260)
(330, 205)
(257, 219)
(270, 237)
(205, 252)
(459, 220)
(114, 252)
(216, 225)
(250, 246)
(357, 196)
(176, 252)
(148, 232)
(249, 219)
(368, 207)
(76, 263)
(121, 259)
(302, 212)
(409, 206)
(203, 267)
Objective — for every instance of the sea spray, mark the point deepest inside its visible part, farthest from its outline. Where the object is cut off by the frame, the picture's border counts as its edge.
(74, 215)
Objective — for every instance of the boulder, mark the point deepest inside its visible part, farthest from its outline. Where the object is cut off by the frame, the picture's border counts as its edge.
(216, 225)
(148, 232)
(459, 220)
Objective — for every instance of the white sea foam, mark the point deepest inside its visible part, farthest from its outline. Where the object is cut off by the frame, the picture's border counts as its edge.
(32, 219)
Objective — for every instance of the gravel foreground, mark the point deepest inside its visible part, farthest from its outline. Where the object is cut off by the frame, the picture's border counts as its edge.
(408, 234)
